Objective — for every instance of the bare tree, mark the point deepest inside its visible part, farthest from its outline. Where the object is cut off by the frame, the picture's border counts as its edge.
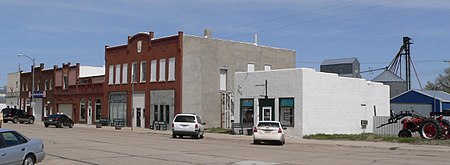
(442, 82)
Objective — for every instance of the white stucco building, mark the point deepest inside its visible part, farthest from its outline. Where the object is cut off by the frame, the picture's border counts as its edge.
(309, 102)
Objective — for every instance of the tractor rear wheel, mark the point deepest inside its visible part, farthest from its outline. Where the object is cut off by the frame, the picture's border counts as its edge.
(405, 133)
(430, 129)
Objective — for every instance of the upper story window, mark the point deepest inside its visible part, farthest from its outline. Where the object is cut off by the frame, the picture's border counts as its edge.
(139, 46)
(267, 67)
(171, 69)
(153, 71)
(65, 82)
(124, 73)
(223, 80)
(143, 71)
(111, 75)
(250, 67)
(46, 85)
(162, 70)
(38, 86)
(117, 80)
(50, 84)
(134, 72)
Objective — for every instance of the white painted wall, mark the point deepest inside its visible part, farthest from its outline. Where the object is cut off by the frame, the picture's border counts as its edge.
(324, 102)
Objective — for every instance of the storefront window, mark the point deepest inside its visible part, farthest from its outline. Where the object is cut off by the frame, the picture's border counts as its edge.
(98, 109)
(247, 111)
(117, 107)
(82, 110)
(287, 112)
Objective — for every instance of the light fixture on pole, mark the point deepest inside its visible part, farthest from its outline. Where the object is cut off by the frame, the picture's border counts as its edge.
(32, 81)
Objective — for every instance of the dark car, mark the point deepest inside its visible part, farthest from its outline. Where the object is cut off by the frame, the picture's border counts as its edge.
(58, 120)
(16, 115)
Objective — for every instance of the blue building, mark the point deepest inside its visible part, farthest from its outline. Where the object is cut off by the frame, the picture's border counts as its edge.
(421, 101)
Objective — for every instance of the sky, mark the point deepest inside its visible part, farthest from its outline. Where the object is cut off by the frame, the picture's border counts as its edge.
(56, 31)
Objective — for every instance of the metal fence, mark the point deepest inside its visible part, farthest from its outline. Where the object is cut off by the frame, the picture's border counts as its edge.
(391, 129)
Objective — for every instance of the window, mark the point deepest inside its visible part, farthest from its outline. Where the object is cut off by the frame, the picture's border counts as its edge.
(124, 73)
(287, 112)
(117, 80)
(153, 71)
(82, 110)
(111, 74)
(134, 72)
(162, 70)
(171, 69)
(139, 46)
(65, 82)
(223, 79)
(38, 86)
(250, 67)
(267, 67)
(12, 139)
(98, 109)
(143, 71)
(17, 84)
(50, 84)
(247, 111)
(46, 85)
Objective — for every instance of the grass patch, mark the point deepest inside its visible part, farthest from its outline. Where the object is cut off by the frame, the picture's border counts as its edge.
(376, 138)
(217, 130)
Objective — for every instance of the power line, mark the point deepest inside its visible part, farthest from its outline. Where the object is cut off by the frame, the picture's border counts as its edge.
(286, 16)
(314, 20)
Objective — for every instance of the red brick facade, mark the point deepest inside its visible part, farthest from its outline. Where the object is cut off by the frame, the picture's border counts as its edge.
(43, 80)
(77, 91)
(150, 50)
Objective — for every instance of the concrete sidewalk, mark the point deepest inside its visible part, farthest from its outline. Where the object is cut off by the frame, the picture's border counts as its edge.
(290, 139)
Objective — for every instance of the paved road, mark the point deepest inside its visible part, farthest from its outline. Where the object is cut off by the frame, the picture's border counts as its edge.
(86, 145)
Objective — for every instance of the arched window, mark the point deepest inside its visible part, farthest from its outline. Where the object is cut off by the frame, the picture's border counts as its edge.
(98, 109)
(83, 110)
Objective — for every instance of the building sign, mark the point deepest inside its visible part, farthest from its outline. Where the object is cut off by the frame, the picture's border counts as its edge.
(38, 94)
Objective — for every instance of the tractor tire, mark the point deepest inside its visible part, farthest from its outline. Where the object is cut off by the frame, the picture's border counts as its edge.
(445, 126)
(405, 133)
(430, 129)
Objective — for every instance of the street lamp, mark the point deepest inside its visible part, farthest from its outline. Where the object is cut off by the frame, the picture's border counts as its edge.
(32, 86)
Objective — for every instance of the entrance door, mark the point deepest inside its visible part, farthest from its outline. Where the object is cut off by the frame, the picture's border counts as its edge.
(267, 113)
(89, 117)
(138, 117)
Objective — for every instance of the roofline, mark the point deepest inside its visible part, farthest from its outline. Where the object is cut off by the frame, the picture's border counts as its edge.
(420, 92)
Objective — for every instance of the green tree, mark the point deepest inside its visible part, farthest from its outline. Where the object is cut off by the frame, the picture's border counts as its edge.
(442, 82)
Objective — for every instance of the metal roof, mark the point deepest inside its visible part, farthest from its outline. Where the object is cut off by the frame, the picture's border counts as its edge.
(339, 61)
(440, 95)
(388, 76)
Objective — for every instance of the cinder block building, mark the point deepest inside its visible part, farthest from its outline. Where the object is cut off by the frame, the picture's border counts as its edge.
(309, 102)
(149, 80)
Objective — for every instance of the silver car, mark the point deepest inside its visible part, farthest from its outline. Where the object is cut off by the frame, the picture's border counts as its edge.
(15, 148)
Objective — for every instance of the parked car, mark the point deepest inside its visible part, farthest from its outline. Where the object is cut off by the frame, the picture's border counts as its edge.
(188, 125)
(16, 115)
(268, 131)
(58, 120)
(16, 148)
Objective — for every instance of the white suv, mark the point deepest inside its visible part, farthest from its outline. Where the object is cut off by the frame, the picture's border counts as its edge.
(188, 125)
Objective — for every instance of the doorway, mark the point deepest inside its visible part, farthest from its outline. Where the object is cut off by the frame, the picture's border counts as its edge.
(140, 120)
(267, 113)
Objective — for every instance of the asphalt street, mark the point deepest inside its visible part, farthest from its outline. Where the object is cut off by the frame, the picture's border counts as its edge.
(87, 145)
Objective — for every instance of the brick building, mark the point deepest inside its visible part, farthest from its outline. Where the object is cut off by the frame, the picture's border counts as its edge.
(151, 79)
(43, 91)
(79, 92)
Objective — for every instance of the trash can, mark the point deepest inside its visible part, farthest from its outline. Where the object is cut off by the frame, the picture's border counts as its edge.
(249, 131)
(98, 125)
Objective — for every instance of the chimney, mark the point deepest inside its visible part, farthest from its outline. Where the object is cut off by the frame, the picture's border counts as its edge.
(151, 35)
(41, 66)
(207, 33)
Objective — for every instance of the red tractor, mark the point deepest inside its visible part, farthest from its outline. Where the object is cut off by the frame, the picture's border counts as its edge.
(428, 127)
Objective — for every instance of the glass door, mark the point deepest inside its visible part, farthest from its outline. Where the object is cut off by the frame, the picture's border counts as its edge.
(267, 113)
